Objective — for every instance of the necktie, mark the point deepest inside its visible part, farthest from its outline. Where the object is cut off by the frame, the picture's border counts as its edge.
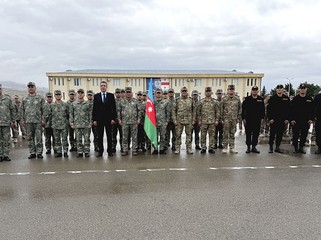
(104, 98)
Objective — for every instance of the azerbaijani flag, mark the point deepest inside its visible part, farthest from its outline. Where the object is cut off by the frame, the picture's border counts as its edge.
(150, 117)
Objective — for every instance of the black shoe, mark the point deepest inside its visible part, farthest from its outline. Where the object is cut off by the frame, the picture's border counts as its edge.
(32, 156)
(143, 149)
(96, 149)
(296, 151)
(220, 146)
(155, 152)
(39, 155)
(271, 149)
(215, 146)
(57, 155)
(248, 150)
(73, 149)
(254, 150)
(173, 148)
(198, 148)
(211, 151)
(278, 150)
(113, 150)
(318, 151)
(87, 155)
(6, 158)
(110, 155)
(65, 155)
(48, 152)
(203, 151)
(162, 152)
(79, 155)
(302, 151)
(99, 154)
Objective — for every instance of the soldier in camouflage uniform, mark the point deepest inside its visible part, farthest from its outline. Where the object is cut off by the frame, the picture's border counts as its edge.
(230, 114)
(170, 125)
(71, 131)
(90, 98)
(218, 138)
(129, 118)
(49, 137)
(162, 117)
(208, 112)
(184, 115)
(80, 114)
(196, 127)
(15, 128)
(59, 111)
(116, 128)
(31, 114)
(7, 119)
(141, 138)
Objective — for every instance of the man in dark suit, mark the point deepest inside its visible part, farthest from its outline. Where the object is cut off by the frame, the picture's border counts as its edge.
(104, 115)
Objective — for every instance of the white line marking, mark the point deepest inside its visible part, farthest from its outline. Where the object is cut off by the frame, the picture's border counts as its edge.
(317, 166)
(121, 170)
(177, 169)
(91, 171)
(76, 172)
(269, 167)
(47, 173)
(155, 169)
(2, 174)
(106, 171)
(213, 168)
(19, 174)
(293, 166)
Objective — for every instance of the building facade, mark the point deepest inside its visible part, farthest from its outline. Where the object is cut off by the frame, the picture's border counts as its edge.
(139, 80)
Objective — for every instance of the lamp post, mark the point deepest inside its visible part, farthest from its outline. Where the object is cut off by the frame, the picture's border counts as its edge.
(289, 87)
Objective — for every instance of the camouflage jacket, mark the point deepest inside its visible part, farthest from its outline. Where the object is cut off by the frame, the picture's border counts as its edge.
(7, 112)
(142, 107)
(129, 112)
(47, 114)
(16, 107)
(118, 101)
(31, 109)
(59, 114)
(162, 112)
(230, 108)
(208, 111)
(183, 110)
(171, 103)
(80, 114)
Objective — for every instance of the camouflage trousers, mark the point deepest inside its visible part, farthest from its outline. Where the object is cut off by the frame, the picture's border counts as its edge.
(115, 129)
(210, 130)
(129, 131)
(161, 133)
(188, 132)
(34, 134)
(61, 140)
(83, 139)
(171, 128)
(4, 141)
(72, 138)
(15, 130)
(49, 138)
(229, 130)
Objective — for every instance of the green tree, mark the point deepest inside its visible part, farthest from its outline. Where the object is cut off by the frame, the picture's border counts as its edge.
(263, 92)
(292, 91)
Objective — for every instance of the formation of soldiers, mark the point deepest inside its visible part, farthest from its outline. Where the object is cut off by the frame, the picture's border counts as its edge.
(215, 119)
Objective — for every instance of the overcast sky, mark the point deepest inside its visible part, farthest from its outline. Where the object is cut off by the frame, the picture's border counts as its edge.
(280, 38)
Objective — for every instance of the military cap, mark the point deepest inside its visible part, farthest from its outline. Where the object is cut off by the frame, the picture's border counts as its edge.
(231, 87)
(122, 90)
(57, 92)
(80, 90)
(48, 94)
(117, 90)
(279, 86)
(165, 92)
(158, 90)
(218, 91)
(208, 89)
(184, 89)
(139, 93)
(71, 91)
(15, 96)
(194, 92)
(31, 84)
(171, 90)
(144, 94)
(303, 85)
(255, 88)
(128, 89)
(90, 92)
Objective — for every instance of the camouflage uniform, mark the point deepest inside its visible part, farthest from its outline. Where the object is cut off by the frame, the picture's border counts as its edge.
(71, 131)
(129, 115)
(59, 112)
(230, 113)
(208, 112)
(183, 114)
(49, 137)
(80, 114)
(170, 125)
(7, 117)
(93, 128)
(196, 126)
(15, 128)
(141, 136)
(116, 128)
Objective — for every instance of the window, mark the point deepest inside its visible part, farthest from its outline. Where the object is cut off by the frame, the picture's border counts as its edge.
(77, 81)
(116, 82)
(251, 81)
(248, 82)
(63, 96)
(198, 82)
(255, 82)
(63, 82)
(59, 81)
(235, 82)
(55, 81)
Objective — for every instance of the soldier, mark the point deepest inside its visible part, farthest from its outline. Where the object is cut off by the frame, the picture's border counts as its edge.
(165, 94)
(71, 131)
(170, 129)
(129, 118)
(15, 128)
(49, 137)
(317, 101)
(7, 119)
(218, 138)
(31, 112)
(196, 127)
(208, 112)
(162, 117)
(140, 132)
(184, 115)
(116, 128)
(90, 98)
(253, 111)
(278, 112)
(302, 116)
(230, 114)
(80, 113)
(60, 122)
(144, 96)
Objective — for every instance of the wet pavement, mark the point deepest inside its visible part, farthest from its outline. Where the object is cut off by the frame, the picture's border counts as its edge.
(199, 196)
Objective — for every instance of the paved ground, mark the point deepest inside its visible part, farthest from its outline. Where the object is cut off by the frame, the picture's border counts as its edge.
(243, 196)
